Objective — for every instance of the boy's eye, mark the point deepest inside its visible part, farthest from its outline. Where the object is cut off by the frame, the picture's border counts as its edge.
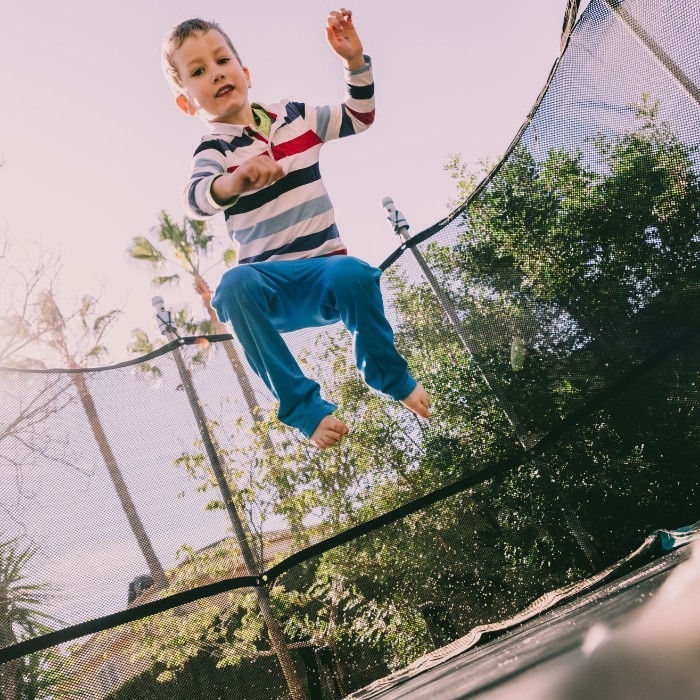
(222, 60)
(197, 71)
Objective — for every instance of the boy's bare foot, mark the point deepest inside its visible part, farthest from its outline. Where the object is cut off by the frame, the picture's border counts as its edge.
(418, 401)
(328, 432)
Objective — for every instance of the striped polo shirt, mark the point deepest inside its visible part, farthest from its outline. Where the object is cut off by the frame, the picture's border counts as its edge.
(293, 217)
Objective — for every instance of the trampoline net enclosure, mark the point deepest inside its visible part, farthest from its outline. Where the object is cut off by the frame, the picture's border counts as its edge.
(557, 330)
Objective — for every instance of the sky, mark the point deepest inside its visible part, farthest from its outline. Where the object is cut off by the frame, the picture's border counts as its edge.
(93, 147)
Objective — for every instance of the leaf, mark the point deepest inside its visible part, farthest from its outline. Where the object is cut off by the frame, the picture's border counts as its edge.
(143, 249)
(87, 304)
(49, 313)
(102, 321)
(165, 280)
(229, 257)
(215, 505)
(97, 351)
(140, 342)
(205, 328)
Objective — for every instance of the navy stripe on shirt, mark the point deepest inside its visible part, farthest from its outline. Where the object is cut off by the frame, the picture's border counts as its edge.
(294, 110)
(290, 181)
(223, 146)
(347, 128)
(298, 245)
(192, 199)
(361, 92)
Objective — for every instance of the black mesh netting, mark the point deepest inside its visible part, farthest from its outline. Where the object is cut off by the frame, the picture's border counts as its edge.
(554, 320)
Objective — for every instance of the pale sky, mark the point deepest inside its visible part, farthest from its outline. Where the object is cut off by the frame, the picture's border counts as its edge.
(94, 147)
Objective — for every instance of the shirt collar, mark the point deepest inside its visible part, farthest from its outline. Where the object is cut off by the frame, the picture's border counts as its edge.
(222, 129)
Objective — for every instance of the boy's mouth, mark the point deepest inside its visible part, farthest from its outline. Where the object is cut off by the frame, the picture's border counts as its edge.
(224, 90)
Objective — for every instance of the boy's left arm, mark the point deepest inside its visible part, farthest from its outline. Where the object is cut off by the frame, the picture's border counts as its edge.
(356, 113)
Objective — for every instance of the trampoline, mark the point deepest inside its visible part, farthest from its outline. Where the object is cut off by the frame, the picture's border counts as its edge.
(162, 535)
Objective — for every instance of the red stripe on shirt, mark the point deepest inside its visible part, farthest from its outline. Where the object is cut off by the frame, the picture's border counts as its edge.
(302, 143)
(342, 251)
(364, 117)
(299, 144)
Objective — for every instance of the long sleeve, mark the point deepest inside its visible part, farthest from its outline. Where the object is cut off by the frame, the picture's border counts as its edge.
(354, 115)
(209, 161)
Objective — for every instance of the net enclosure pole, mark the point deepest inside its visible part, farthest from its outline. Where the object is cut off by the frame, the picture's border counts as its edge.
(202, 288)
(655, 49)
(277, 641)
(400, 225)
(526, 440)
(569, 22)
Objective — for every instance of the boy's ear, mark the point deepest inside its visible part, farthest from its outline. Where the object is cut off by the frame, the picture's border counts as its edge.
(246, 72)
(184, 104)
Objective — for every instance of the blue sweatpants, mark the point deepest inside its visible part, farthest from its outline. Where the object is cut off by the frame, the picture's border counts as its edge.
(262, 300)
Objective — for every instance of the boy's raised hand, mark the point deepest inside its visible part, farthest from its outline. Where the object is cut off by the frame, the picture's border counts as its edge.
(342, 36)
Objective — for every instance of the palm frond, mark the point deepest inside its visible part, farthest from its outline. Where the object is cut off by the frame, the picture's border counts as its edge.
(165, 280)
(105, 320)
(142, 249)
(140, 342)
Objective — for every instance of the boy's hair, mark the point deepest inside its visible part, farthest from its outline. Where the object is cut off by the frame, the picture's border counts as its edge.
(174, 39)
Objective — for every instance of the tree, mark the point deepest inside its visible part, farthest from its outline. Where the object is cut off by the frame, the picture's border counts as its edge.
(589, 257)
(26, 271)
(34, 332)
(186, 246)
(23, 616)
(76, 350)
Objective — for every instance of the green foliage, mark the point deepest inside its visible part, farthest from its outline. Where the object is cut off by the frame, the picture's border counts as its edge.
(39, 676)
(201, 678)
(578, 266)
(177, 248)
(142, 249)
(183, 245)
(229, 257)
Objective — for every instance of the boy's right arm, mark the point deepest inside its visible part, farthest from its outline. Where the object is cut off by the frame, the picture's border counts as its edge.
(254, 174)
(211, 188)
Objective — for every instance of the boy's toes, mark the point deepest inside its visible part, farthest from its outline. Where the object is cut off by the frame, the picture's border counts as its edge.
(418, 401)
(328, 432)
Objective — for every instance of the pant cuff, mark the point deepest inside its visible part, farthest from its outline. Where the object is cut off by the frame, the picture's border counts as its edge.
(315, 417)
(404, 388)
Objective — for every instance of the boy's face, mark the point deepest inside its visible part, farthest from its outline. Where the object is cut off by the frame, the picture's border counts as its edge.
(215, 85)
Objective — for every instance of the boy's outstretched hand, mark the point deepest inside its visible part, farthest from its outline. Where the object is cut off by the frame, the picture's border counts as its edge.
(341, 35)
(254, 174)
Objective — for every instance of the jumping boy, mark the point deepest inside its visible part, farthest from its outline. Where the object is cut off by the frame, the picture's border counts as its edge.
(259, 166)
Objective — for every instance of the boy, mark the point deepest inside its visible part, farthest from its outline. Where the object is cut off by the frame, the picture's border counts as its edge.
(259, 166)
